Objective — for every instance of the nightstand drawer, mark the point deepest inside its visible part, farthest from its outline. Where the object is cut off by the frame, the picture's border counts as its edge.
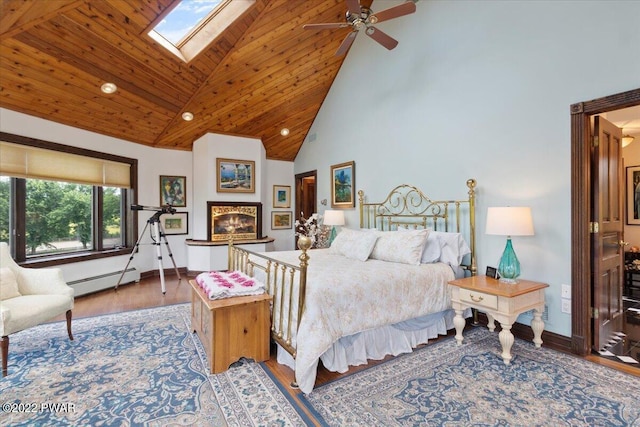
(479, 299)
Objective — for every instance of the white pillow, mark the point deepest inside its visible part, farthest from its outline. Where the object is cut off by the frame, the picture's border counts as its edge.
(432, 250)
(354, 244)
(453, 247)
(405, 246)
(8, 284)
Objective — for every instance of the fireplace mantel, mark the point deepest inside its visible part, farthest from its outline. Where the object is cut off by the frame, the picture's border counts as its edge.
(194, 242)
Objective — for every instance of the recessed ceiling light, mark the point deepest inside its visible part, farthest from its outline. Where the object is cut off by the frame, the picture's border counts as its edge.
(284, 131)
(109, 87)
(187, 116)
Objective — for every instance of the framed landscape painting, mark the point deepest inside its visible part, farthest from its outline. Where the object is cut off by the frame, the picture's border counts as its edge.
(281, 220)
(281, 196)
(235, 176)
(177, 223)
(343, 182)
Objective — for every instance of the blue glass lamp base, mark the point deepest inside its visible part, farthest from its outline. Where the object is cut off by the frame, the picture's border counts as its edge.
(509, 267)
(333, 235)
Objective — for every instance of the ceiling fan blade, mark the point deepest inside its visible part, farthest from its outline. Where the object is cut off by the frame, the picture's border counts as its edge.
(325, 26)
(395, 12)
(353, 6)
(346, 43)
(381, 38)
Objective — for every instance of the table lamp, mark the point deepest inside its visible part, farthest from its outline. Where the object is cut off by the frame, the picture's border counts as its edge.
(509, 221)
(333, 218)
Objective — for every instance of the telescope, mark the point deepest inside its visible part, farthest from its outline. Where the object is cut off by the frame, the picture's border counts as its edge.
(166, 209)
(157, 235)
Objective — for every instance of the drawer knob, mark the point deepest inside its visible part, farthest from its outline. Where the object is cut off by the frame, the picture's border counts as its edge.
(476, 299)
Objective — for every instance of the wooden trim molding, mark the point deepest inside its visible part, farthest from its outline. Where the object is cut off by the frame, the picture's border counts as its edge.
(581, 286)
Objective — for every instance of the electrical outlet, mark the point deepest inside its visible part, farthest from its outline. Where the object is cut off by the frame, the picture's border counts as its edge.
(565, 291)
(566, 305)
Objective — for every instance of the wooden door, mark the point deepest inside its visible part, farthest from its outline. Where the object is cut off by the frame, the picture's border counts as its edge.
(607, 218)
(305, 196)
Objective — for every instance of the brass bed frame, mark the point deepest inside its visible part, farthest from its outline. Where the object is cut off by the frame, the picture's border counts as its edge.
(405, 206)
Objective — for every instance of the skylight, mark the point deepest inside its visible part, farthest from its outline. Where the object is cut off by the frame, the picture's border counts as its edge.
(184, 18)
(193, 24)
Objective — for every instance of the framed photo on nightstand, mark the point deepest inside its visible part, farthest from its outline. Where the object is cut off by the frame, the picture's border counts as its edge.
(492, 272)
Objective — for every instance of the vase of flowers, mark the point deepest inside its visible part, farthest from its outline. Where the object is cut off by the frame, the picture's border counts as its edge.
(307, 230)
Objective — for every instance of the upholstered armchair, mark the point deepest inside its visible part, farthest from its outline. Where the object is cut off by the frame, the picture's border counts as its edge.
(29, 297)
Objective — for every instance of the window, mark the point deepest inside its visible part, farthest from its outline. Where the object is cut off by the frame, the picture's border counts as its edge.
(75, 209)
(193, 24)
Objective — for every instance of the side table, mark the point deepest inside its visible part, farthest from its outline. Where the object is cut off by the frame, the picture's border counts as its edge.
(503, 302)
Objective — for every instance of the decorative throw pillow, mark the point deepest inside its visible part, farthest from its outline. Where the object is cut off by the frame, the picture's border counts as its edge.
(405, 247)
(8, 284)
(354, 244)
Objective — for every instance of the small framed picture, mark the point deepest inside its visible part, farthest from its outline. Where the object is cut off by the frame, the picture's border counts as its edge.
(177, 223)
(493, 273)
(281, 196)
(281, 220)
(173, 191)
(633, 195)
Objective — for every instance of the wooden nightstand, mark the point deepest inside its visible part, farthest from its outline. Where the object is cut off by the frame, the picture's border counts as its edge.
(503, 302)
(231, 328)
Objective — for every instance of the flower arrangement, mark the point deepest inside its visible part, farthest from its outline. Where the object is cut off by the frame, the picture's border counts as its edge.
(307, 227)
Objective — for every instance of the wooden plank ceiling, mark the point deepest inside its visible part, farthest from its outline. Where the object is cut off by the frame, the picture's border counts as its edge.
(265, 72)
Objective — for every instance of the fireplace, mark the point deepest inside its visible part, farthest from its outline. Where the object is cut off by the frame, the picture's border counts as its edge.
(237, 220)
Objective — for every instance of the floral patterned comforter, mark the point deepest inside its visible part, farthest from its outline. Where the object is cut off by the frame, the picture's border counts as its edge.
(345, 296)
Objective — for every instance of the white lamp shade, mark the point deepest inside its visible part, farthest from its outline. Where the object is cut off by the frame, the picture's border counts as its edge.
(332, 217)
(509, 221)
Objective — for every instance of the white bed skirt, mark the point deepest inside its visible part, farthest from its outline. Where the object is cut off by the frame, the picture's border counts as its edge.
(378, 343)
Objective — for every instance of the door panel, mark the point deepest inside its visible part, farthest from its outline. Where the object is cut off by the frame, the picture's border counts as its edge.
(608, 214)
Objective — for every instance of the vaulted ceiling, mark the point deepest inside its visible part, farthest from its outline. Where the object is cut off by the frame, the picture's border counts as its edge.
(265, 72)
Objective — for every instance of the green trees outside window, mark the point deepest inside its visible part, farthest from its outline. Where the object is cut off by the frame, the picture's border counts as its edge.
(60, 217)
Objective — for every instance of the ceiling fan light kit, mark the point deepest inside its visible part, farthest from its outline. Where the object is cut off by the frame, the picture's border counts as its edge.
(360, 17)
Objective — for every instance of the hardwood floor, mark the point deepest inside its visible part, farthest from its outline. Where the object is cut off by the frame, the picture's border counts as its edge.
(147, 293)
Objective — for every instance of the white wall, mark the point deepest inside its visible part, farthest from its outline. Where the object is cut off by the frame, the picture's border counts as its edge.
(479, 90)
(278, 173)
(268, 173)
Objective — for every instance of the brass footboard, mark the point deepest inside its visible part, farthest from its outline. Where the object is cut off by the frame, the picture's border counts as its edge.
(286, 283)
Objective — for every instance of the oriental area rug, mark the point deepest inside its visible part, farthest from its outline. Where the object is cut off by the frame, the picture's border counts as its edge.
(146, 368)
(443, 384)
(138, 368)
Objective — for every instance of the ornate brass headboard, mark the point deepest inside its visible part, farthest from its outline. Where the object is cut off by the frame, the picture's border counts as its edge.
(407, 206)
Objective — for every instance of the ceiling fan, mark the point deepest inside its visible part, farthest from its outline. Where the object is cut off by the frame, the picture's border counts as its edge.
(360, 17)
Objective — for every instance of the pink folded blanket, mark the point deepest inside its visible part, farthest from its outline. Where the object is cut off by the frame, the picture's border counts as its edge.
(218, 284)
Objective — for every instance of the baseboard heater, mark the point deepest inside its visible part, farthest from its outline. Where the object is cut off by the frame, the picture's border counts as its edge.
(103, 281)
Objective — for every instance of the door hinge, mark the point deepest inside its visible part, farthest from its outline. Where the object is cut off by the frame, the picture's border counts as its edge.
(594, 227)
(596, 141)
(594, 313)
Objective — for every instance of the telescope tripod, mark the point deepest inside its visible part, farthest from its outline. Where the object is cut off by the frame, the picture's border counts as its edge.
(157, 234)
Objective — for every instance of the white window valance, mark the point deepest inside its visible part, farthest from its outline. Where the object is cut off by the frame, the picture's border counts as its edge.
(23, 161)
